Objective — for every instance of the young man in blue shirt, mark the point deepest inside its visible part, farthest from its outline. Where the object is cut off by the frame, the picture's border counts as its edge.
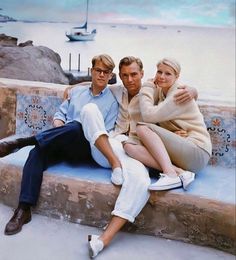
(63, 142)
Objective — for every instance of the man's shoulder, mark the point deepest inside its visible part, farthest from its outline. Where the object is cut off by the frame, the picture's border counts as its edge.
(115, 87)
(110, 97)
(80, 88)
(117, 91)
(149, 84)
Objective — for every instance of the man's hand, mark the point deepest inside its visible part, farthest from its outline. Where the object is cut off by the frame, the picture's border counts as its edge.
(185, 94)
(66, 92)
(182, 133)
(58, 122)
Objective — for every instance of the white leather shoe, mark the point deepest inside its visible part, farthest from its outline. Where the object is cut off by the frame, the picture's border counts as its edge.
(166, 183)
(187, 178)
(117, 176)
(95, 245)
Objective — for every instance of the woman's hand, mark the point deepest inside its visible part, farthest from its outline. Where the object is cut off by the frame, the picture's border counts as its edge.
(185, 94)
(181, 133)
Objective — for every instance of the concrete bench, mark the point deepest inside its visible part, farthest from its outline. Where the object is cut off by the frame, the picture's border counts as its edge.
(205, 214)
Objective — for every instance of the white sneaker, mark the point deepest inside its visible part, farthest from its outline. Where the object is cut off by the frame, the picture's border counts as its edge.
(117, 176)
(95, 245)
(187, 178)
(166, 183)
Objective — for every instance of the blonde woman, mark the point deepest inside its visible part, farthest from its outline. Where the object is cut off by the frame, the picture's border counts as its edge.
(174, 137)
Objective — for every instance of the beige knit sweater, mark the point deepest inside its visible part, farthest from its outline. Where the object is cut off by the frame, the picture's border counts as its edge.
(129, 114)
(156, 108)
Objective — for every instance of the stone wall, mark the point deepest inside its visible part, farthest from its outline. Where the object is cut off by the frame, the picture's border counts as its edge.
(27, 107)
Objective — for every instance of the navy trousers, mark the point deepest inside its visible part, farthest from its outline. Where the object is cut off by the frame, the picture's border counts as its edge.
(65, 143)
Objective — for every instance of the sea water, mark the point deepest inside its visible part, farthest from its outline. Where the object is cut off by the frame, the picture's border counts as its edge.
(206, 55)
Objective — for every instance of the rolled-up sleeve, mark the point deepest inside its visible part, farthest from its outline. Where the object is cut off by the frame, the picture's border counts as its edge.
(61, 114)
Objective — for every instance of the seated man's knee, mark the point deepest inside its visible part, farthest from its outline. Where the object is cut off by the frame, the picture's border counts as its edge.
(129, 148)
(89, 109)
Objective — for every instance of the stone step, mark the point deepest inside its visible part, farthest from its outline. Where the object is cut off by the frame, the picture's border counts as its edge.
(204, 215)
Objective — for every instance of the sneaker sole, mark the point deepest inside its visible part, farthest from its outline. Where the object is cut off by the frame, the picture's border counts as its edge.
(116, 182)
(91, 255)
(167, 187)
(187, 185)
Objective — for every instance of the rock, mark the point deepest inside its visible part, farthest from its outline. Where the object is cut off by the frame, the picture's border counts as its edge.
(6, 40)
(36, 63)
(27, 43)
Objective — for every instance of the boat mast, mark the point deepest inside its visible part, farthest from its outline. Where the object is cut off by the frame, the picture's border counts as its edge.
(86, 16)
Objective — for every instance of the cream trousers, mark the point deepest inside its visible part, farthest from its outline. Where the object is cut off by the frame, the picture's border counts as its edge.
(183, 153)
(134, 192)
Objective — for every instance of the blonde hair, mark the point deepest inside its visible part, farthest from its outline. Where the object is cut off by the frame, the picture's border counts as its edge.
(128, 60)
(105, 59)
(171, 63)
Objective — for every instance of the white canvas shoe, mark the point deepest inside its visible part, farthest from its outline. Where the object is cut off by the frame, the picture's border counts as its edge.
(95, 245)
(166, 183)
(117, 176)
(187, 178)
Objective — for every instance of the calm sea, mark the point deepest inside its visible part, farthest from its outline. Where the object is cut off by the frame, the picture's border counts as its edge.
(207, 55)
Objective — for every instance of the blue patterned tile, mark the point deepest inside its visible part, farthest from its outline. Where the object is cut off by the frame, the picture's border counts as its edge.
(221, 127)
(35, 113)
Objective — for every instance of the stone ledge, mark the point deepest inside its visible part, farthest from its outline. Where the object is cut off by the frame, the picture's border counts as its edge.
(204, 215)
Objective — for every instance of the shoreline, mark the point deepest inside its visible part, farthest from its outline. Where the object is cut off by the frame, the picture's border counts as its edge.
(147, 25)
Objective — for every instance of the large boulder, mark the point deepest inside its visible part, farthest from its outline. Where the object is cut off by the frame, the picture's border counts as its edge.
(36, 63)
(6, 40)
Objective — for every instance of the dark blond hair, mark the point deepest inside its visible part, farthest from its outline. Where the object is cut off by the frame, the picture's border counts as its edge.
(126, 61)
(105, 59)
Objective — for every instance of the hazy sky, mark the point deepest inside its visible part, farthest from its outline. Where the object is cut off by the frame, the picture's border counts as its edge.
(181, 12)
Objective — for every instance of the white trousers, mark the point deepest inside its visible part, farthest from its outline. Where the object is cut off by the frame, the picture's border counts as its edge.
(134, 192)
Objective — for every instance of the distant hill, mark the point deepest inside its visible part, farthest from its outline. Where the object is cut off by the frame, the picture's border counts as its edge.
(5, 18)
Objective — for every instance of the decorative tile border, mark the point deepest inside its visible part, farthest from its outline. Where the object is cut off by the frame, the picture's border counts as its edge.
(220, 122)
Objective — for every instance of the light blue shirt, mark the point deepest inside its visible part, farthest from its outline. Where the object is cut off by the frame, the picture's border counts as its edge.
(79, 96)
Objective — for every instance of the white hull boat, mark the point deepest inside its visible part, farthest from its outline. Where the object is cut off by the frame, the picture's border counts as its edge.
(81, 33)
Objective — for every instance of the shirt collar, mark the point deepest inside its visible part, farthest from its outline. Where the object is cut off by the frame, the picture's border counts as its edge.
(101, 93)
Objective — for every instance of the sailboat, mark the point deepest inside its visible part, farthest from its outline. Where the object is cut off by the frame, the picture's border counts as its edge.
(80, 33)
